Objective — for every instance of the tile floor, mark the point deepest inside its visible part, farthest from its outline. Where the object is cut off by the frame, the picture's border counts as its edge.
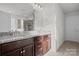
(68, 48)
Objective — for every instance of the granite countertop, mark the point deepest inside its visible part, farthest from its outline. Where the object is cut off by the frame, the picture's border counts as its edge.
(22, 35)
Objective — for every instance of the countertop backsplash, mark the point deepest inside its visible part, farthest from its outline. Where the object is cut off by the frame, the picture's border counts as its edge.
(8, 33)
(5, 34)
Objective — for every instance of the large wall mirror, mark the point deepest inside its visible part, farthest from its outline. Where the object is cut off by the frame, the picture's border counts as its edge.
(28, 25)
(18, 23)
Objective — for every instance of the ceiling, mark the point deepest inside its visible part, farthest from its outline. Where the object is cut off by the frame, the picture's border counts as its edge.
(69, 7)
(24, 9)
(65, 7)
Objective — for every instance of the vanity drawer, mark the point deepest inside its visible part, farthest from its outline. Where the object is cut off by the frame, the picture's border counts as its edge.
(7, 47)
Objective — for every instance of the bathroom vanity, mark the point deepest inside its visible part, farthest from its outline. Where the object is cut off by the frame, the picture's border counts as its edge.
(18, 48)
(31, 45)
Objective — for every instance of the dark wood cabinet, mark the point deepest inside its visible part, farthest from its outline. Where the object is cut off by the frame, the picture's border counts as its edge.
(35, 46)
(13, 53)
(46, 43)
(42, 45)
(28, 50)
(18, 48)
(38, 45)
(24, 51)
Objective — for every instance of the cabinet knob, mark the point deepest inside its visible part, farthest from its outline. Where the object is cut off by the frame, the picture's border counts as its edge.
(40, 48)
(24, 51)
(21, 52)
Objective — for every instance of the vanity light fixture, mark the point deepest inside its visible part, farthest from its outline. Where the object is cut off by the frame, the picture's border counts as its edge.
(36, 6)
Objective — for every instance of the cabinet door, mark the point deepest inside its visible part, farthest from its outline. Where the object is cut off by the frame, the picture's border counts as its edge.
(28, 50)
(38, 45)
(17, 52)
(42, 44)
(45, 44)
